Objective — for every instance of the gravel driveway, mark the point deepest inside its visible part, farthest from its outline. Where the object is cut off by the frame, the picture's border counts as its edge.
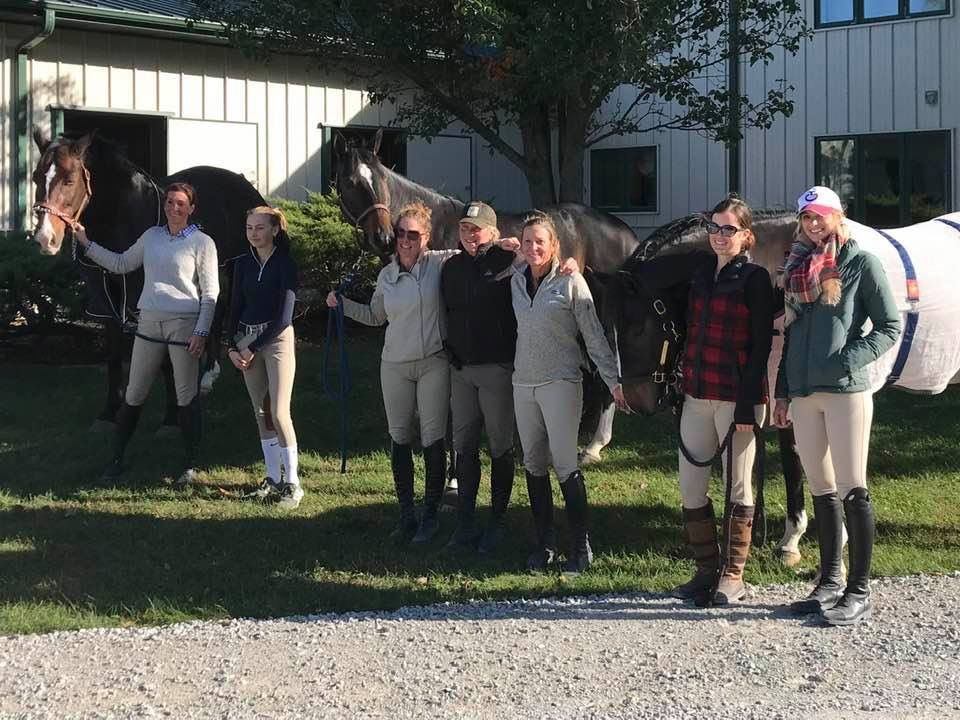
(638, 656)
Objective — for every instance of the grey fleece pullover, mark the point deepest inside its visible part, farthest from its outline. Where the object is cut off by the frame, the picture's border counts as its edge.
(547, 328)
(180, 273)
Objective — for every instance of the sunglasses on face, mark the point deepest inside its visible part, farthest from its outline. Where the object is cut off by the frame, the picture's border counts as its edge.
(722, 230)
(412, 235)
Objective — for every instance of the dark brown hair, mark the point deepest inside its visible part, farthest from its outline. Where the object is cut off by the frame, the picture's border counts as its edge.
(185, 188)
(733, 203)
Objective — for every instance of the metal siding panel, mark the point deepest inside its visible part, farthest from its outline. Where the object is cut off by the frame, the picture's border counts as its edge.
(881, 77)
(296, 141)
(950, 96)
(236, 87)
(859, 79)
(838, 90)
(214, 92)
(191, 82)
(928, 72)
(753, 146)
(96, 71)
(70, 69)
(798, 144)
(315, 113)
(352, 105)
(775, 138)
(276, 134)
(168, 77)
(257, 113)
(334, 106)
(904, 76)
(679, 174)
(122, 52)
(145, 78)
(815, 64)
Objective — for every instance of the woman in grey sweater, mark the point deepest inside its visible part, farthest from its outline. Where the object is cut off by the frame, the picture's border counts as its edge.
(180, 289)
(552, 309)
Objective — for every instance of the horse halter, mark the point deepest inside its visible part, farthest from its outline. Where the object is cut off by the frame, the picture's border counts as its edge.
(44, 209)
(355, 221)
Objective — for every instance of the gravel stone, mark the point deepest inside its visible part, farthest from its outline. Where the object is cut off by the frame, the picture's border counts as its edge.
(600, 657)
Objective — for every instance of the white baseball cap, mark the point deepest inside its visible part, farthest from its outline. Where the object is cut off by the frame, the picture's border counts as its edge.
(819, 199)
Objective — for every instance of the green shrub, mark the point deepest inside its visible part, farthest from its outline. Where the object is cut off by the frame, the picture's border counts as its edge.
(324, 246)
(36, 291)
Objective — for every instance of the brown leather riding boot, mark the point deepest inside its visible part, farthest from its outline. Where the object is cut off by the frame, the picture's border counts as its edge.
(738, 526)
(700, 532)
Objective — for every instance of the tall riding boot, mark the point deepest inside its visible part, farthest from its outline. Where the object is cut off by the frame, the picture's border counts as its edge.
(830, 536)
(127, 417)
(700, 532)
(435, 476)
(855, 605)
(737, 530)
(574, 491)
(188, 417)
(468, 480)
(401, 462)
(501, 487)
(541, 505)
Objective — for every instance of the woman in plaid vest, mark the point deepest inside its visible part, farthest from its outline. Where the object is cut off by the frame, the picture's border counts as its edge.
(729, 329)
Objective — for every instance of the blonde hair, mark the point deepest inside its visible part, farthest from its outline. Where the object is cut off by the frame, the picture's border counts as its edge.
(539, 217)
(277, 218)
(843, 230)
(419, 212)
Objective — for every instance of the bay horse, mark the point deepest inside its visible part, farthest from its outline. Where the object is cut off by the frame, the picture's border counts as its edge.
(87, 178)
(650, 321)
(371, 195)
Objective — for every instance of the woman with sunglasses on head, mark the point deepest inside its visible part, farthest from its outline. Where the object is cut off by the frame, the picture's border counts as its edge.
(831, 289)
(729, 333)
(180, 289)
(263, 346)
(414, 371)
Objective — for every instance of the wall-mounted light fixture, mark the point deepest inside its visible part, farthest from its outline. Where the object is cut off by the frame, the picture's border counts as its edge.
(931, 97)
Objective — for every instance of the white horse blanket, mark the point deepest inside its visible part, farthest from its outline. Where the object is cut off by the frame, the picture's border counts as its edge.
(933, 248)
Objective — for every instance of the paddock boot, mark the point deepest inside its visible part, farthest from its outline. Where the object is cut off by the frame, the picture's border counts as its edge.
(127, 418)
(737, 531)
(188, 417)
(501, 487)
(574, 491)
(700, 533)
(541, 505)
(855, 605)
(401, 462)
(829, 589)
(435, 464)
(468, 482)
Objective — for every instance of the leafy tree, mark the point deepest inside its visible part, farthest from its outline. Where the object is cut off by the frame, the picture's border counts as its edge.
(545, 66)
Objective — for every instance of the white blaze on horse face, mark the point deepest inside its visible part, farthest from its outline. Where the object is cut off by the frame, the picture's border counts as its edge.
(367, 174)
(46, 234)
(51, 174)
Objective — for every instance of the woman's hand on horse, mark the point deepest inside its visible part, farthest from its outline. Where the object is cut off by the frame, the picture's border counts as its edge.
(780, 409)
(196, 345)
(80, 233)
(511, 244)
(620, 399)
(569, 267)
(332, 299)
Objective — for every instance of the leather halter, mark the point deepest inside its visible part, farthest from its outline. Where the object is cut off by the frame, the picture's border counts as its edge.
(357, 220)
(44, 209)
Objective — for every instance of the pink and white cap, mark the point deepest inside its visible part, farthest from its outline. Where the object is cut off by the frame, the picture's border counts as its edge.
(819, 199)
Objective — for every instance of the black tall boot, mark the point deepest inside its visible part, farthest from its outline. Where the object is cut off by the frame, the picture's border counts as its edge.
(468, 483)
(401, 462)
(830, 536)
(574, 491)
(127, 418)
(435, 464)
(855, 604)
(501, 487)
(541, 504)
(188, 417)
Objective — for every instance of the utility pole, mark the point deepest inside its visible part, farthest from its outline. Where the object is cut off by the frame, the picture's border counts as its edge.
(733, 89)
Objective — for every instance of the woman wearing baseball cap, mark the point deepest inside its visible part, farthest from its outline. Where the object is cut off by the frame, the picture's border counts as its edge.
(831, 289)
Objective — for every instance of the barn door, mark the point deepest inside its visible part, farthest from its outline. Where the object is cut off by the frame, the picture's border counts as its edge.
(228, 145)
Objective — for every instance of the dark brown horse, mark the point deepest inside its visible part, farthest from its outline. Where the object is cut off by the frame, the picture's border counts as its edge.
(88, 179)
(371, 195)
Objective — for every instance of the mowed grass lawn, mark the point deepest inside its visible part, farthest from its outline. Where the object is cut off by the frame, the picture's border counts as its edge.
(74, 553)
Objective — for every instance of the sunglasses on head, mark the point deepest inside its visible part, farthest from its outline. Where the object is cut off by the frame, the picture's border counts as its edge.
(722, 230)
(413, 235)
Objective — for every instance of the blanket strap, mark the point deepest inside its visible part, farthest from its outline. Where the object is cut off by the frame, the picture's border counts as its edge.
(913, 314)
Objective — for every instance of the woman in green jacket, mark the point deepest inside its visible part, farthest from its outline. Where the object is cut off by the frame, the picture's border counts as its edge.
(831, 289)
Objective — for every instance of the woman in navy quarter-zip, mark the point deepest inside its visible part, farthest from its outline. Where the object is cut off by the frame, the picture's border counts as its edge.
(260, 324)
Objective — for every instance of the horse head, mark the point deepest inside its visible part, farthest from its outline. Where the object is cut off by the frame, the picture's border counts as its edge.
(364, 193)
(62, 188)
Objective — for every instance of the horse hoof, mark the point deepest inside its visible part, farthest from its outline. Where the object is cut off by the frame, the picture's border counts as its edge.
(100, 426)
(167, 431)
(589, 458)
(789, 558)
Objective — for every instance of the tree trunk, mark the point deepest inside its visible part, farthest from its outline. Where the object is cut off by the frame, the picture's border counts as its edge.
(573, 119)
(535, 132)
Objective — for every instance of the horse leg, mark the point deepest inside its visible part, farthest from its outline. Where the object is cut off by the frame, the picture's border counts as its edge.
(601, 436)
(115, 347)
(796, 522)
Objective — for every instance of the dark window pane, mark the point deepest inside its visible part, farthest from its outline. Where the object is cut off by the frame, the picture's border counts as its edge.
(624, 179)
(880, 8)
(926, 6)
(927, 153)
(837, 163)
(881, 180)
(605, 184)
(832, 11)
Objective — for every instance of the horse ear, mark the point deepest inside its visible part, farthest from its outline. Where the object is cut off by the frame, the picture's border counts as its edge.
(81, 146)
(377, 139)
(41, 139)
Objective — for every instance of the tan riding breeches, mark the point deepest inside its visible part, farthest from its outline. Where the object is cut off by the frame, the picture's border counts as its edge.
(416, 387)
(548, 419)
(270, 376)
(833, 439)
(703, 426)
(148, 357)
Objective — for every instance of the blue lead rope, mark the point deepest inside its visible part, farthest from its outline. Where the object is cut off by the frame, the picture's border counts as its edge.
(336, 332)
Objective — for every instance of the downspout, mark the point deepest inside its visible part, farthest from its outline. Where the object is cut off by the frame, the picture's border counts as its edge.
(21, 96)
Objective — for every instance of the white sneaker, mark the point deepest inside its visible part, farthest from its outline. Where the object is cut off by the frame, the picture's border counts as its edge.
(266, 490)
(290, 495)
